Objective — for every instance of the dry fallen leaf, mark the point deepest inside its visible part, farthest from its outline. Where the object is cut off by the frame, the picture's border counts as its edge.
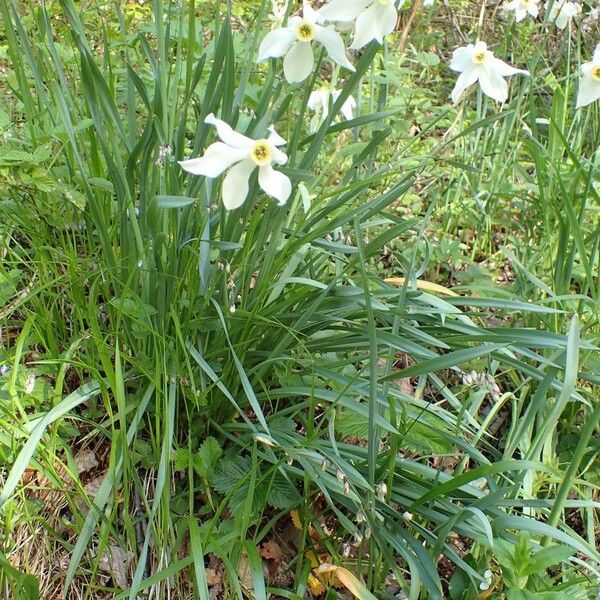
(213, 577)
(85, 460)
(244, 571)
(271, 550)
(405, 385)
(116, 562)
(316, 587)
(91, 488)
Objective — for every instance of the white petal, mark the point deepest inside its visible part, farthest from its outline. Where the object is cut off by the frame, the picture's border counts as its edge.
(502, 68)
(274, 138)
(586, 68)
(334, 44)
(572, 9)
(561, 21)
(348, 108)
(343, 10)
(596, 58)
(275, 184)
(279, 157)
(465, 79)
(589, 91)
(565, 12)
(227, 134)
(217, 158)
(374, 24)
(319, 102)
(493, 85)
(235, 184)
(534, 10)
(462, 58)
(310, 14)
(317, 99)
(276, 43)
(298, 62)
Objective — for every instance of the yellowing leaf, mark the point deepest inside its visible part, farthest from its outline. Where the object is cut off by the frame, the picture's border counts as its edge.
(427, 286)
(354, 585)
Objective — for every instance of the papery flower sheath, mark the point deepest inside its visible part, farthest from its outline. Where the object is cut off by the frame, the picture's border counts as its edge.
(476, 63)
(294, 42)
(374, 19)
(240, 156)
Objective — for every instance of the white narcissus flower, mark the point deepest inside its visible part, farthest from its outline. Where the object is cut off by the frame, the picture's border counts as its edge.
(477, 63)
(318, 102)
(562, 12)
(428, 2)
(589, 84)
(374, 18)
(294, 43)
(522, 8)
(240, 156)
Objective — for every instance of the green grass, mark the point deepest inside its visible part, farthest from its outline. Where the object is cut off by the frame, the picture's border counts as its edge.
(227, 369)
